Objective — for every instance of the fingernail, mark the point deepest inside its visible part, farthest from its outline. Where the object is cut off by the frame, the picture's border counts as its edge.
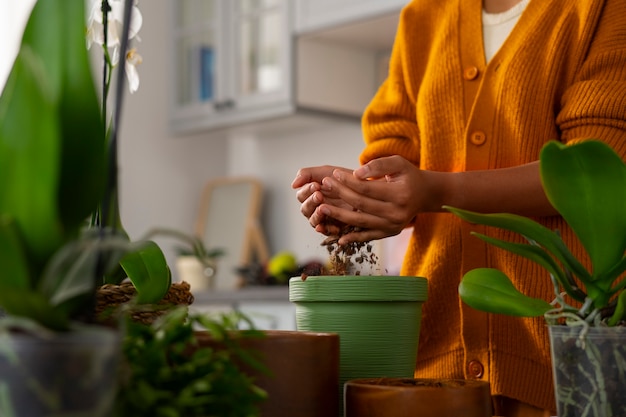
(362, 172)
(326, 184)
(325, 211)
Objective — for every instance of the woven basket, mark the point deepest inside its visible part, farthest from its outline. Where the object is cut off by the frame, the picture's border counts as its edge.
(109, 297)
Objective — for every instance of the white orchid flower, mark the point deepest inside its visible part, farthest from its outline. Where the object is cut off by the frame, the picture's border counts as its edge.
(132, 60)
(95, 27)
(95, 34)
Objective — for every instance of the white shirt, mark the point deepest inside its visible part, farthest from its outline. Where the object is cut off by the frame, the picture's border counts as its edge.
(497, 26)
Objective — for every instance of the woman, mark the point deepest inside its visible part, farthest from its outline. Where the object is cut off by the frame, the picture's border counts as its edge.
(475, 89)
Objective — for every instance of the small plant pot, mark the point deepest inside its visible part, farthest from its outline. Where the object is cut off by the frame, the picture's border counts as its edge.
(377, 318)
(199, 275)
(303, 371)
(403, 397)
(68, 374)
(589, 370)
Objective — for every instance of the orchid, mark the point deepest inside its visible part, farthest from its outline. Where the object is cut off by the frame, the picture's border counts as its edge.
(112, 41)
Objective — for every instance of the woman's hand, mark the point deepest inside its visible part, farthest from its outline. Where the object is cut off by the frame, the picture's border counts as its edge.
(380, 198)
(310, 194)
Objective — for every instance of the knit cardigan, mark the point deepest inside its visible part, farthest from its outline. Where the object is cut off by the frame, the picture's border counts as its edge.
(560, 75)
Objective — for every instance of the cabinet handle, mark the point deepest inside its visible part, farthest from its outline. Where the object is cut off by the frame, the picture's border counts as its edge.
(223, 105)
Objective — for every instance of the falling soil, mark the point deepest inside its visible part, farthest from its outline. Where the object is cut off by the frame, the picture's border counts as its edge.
(344, 257)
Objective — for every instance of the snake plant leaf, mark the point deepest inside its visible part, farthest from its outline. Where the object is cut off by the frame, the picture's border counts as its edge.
(586, 184)
(30, 155)
(148, 271)
(540, 257)
(490, 290)
(532, 230)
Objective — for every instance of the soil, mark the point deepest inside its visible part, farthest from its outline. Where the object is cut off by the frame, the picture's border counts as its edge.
(344, 257)
(411, 382)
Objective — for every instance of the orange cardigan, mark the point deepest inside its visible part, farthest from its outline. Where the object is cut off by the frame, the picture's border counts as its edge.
(561, 74)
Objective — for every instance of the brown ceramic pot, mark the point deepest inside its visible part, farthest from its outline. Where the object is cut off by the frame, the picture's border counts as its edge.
(407, 397)
(304, 372)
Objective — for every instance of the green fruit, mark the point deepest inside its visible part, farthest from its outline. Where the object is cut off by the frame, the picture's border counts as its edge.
(281, 265)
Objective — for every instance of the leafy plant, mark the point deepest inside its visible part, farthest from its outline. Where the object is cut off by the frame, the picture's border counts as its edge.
(586, 184)
(58, 167)
(168, 374)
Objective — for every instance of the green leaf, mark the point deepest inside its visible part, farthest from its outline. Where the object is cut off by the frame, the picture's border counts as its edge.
(586, 184)
(83, 171)
(148, 271)
(26, 303)
(30, 155)
(532, 230)
(490, 290)
(539, 256)
(15, 273)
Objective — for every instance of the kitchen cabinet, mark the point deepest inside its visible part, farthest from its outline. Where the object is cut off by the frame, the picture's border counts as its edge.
(239, 64)
(314, 15)
(231, 61)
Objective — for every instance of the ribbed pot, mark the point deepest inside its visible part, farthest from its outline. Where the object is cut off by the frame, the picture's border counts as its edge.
(377, 318)
(404, 397)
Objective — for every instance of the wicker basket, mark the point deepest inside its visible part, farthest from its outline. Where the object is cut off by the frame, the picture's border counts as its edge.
(109, 297)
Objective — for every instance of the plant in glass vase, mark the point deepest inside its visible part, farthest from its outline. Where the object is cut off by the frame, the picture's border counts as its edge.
(586, 184)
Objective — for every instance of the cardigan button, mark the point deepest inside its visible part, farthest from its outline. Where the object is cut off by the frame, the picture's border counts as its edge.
(470, 73)
(475, 369)
(478, 137)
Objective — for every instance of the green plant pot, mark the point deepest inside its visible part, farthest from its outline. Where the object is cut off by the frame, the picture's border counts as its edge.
(70, 374)
(589, 370)
(377, 318)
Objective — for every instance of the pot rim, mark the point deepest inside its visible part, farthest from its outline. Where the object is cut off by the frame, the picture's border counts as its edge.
(358, 288)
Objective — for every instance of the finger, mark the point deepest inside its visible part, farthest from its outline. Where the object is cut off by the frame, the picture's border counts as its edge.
(308, 206)
(381, 167)
(311, 174)
(371, 197)
(350, 217)
(364, 235)
(307, 191)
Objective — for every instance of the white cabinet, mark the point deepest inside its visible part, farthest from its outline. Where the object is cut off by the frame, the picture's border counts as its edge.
(231, 61)
(239, 64)
(313, 15)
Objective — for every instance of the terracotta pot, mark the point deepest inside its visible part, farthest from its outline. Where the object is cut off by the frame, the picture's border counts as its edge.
(304, 369)
(406, 397)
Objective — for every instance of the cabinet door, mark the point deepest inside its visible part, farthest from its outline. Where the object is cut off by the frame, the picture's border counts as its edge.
(197, 54)
(260, 72)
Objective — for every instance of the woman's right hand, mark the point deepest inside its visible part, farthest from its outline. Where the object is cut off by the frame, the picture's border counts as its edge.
(310, 193)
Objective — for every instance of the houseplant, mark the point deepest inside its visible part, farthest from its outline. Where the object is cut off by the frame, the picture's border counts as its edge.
(57, 169)
(586, 184)
(52, 176)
